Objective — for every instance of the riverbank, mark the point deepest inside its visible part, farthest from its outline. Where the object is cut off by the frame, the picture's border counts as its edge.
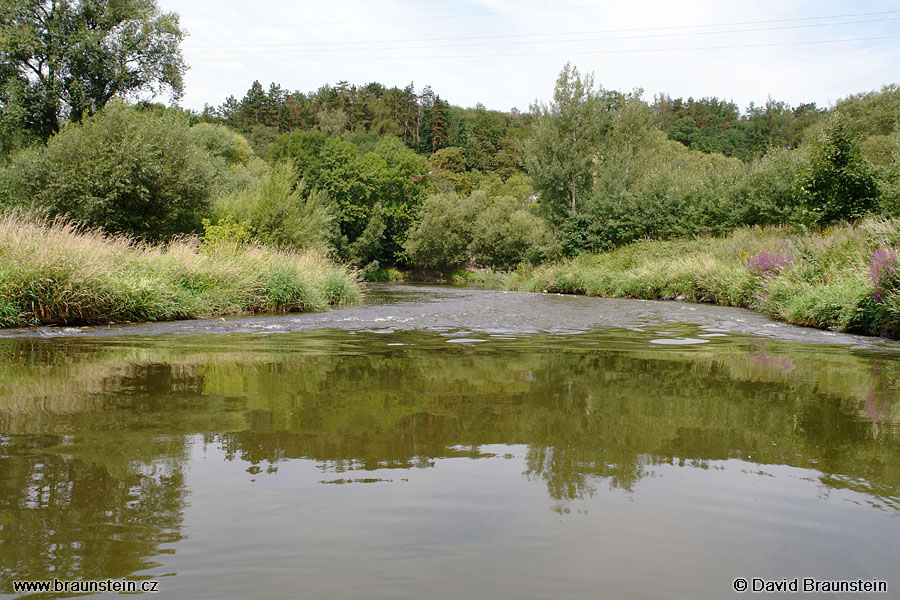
(56, 273)
(843, 278)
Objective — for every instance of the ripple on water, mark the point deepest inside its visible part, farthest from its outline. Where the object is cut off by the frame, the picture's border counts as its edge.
(678, 341)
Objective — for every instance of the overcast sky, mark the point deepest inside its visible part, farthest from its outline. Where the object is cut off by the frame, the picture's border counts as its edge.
(507, 53)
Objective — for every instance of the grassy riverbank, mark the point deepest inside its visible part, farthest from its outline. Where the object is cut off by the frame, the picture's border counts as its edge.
(56, 273)
(844, 278)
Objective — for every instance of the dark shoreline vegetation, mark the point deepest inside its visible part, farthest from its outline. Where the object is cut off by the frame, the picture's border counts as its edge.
(790, 210)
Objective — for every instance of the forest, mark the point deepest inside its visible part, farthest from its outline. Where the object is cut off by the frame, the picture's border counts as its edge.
(398, 182)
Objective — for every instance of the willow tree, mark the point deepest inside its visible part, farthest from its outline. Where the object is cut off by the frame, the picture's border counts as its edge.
(65, 59)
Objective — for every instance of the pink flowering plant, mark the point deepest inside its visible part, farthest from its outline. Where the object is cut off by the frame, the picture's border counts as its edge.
(766, 264)
(883, 270)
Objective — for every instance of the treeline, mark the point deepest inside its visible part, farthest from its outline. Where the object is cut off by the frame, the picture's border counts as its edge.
(606, 174)
(422, 120)
(715, 125)
(426, 123)
(390, 177)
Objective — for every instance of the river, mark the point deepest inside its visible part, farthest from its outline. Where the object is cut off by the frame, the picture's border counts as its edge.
(451, 442)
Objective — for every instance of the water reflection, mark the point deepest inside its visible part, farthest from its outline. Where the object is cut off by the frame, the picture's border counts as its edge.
(95, 437)
(88, 507)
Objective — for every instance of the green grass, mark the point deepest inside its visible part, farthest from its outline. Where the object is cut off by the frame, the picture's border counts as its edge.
(484, 277)
(58, 273)
(828, 285)
(388, 274)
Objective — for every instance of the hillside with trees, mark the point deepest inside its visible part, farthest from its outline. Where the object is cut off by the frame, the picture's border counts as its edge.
(388, 178)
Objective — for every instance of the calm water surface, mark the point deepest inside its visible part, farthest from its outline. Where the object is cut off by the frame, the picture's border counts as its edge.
(451, 443)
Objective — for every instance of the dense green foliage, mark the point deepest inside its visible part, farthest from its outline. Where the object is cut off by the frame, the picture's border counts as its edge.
(391, 176)
(838, 183)
(606, 174)
(421, 120)
(715, 125)
(567, 136)
(125, 170)
(440, 240)
(66, 60)
(277, 211)
(480, 229)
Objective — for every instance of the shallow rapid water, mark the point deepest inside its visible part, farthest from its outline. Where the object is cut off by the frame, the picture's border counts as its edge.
(445, 442)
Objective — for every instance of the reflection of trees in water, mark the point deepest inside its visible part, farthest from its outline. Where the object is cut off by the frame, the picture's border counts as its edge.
(83, 507)
(590, 415)
(586, 416)
(92, 459)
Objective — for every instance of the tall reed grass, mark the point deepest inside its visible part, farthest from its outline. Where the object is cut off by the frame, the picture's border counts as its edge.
(56, 272)
(832, 279)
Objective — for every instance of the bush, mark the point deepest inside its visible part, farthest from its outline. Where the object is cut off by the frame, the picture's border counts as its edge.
(451, 160)
(280, 211)
(234, 165)
(440, 239)
(838, 182)
(221, 142)
(122, 169)
(661, 190)
(771, 192)
(504, 235)
(454, 231)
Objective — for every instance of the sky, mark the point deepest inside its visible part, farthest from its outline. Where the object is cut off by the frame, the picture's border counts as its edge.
(507, 53)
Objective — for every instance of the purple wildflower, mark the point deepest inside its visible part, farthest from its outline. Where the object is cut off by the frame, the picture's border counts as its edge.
(883, 270)
(767, 265)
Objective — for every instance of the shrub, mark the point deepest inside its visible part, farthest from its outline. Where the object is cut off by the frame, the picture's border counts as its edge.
(883, 271)
(440, 239)
(766, 264)
(234, 165)
(451, 160)
(225, 236)
(504, 235)
(771, 192)
(838, 182)
(124, 170)
(280, 211)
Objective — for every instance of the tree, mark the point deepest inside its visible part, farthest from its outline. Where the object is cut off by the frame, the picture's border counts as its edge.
(123, 169)
(69, 58)
(503, 234)
(450, 159)
(253, 106)
(439, 124)
(398, 177)
(440, 239)
(839, 183)
(566, 135)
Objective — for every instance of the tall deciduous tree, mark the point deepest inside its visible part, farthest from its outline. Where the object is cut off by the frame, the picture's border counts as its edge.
(68, 58)
(567, 133)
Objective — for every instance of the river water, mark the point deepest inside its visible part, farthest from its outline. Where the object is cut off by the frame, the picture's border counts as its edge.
(447, 442)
